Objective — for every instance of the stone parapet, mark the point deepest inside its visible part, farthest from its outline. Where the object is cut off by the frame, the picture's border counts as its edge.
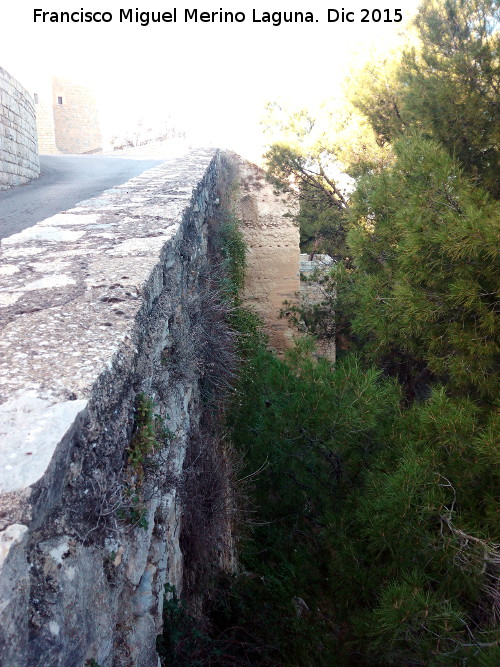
(94, 304)
(19, 161)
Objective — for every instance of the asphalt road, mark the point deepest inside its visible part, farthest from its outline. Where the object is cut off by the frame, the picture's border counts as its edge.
(65, 180)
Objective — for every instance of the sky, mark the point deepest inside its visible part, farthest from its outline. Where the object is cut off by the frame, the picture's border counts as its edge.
(213, 79)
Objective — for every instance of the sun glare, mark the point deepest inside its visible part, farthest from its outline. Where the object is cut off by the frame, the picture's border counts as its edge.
(211, 80)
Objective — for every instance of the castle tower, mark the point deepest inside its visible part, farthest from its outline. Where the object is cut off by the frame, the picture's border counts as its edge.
(43, 97)
(66, 115)
(76, 117)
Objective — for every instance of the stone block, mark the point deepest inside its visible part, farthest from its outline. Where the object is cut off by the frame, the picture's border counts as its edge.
(18, 129)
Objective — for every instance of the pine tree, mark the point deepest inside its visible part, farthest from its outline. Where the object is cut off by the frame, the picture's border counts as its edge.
(425, 244)
(446, 86)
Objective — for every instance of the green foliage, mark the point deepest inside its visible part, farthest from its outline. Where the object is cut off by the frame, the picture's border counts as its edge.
(453, 82)
(187, 642)
(231, 248)
(322, 227)
(441, 462)
(150, 436)
(316, 147)
(410, 620)
(182, 643)
(374, 533)
(425, 244)
(445, 85)
(381, 521)
(305, 158)
(426, 526)
(285, 161)
(375, 91)
(421, 284)
(307, 431)
(135, 512)
(420, 289)
(316, 155)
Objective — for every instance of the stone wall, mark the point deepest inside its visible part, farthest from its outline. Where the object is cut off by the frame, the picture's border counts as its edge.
(44, 108)
(272, 238)
(67, 116)
(76, 118)
(100, 307)
(19, 161)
